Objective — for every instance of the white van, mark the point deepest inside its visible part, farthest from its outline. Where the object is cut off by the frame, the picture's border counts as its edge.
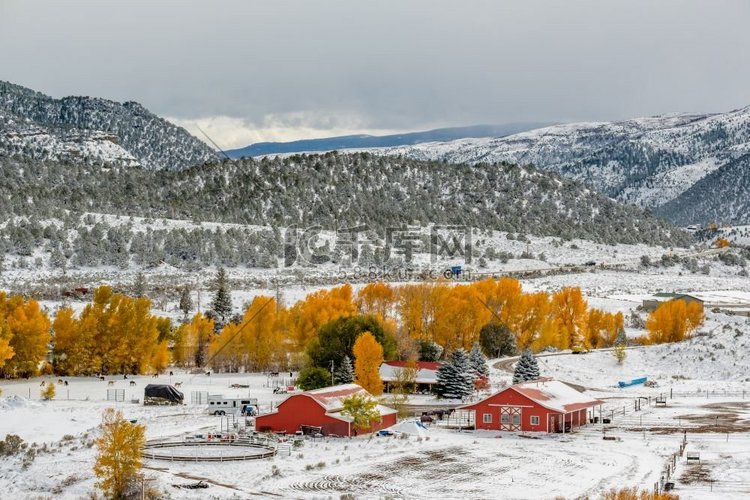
(220, 405)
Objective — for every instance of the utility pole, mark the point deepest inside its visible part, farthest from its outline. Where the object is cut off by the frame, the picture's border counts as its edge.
(332, 382)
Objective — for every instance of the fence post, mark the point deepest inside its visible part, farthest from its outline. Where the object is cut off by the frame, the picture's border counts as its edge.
(670, 392)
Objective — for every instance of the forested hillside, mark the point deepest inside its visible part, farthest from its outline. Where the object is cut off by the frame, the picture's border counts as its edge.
(44, 202)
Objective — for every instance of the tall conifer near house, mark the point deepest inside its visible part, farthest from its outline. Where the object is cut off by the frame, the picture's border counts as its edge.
(526, 368)
(455, 377)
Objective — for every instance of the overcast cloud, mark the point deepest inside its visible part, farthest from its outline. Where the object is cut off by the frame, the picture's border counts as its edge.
(280, 70)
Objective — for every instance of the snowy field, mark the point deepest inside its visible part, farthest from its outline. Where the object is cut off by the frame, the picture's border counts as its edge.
(708, 377)
(442, 463)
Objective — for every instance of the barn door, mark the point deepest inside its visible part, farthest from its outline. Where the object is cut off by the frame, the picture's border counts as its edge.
(510, 418)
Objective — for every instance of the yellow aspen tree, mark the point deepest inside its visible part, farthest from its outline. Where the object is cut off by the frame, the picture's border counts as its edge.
(368, 356)
(119, 454)
(673, 321)
(30, 328)
(6, 350)
(191, 341)
(529, 322)
(506, 302)
(225, 350)
(569, 312)
(319, 308)
(261, 333)
(159, 357)
(66, 331)
(376, 299)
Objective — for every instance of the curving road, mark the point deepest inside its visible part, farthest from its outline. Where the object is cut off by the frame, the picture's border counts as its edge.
(506, 364)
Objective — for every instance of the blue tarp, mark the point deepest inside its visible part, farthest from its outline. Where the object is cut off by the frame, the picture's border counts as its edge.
(635, 381)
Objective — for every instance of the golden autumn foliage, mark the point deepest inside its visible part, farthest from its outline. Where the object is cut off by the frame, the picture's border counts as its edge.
(569, 313)
(191, 341)
(368, 356)
(48, 392)
(722, 243)
(113, 334)
(317, 309)
(673, 321)
(119, 455)
(257, 343)
(117, 333)
(377, 299)
(24, 336)
(453, 315)
(6, 351)
(636, 494)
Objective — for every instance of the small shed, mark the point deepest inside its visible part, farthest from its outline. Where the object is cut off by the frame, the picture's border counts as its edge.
(651, 303)
(321, 408)
(543, 405)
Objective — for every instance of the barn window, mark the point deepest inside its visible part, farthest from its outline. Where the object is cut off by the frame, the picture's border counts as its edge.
(504, 418)
(487, 418)
(516, 419)
(534, 420)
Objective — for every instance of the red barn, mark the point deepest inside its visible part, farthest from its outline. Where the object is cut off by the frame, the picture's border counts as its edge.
(321, 408)
(541, 405)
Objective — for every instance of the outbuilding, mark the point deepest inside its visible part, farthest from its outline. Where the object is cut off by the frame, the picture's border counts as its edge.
(543, 405)
(652, 303)
(425, 376)
(320, 409)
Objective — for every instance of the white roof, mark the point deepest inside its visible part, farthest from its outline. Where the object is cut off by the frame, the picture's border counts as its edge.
(389, 373)
(551, 394)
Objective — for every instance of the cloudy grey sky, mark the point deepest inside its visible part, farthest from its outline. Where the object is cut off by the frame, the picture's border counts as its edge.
(280, 70)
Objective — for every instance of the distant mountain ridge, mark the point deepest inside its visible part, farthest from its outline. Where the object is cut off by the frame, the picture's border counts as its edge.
(690, 168)
(372, 141)
(92, 130)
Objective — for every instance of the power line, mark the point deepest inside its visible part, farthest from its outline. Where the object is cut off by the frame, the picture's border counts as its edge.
(212, 142)
(208, 362)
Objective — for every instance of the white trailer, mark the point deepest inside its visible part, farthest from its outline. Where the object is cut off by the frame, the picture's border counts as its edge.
(221, 405)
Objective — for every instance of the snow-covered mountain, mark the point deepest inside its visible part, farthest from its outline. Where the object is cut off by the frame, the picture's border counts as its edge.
(689, 168)
(91, 130)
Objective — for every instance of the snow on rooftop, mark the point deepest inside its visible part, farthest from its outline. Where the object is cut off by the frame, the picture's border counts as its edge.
(332, 398)
(426, 371)
(555, 395)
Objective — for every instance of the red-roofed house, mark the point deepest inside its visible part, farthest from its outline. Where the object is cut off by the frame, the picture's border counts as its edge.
(320, 408)
(426, 374)
(541, 405)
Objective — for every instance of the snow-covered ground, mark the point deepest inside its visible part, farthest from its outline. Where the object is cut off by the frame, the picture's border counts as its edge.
(443, 463)
(709, 377)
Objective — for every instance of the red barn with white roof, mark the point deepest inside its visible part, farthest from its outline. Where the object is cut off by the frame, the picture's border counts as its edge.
(538, 406)
(321, 408)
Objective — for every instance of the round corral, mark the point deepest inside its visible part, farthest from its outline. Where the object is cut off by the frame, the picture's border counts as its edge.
(209, 451)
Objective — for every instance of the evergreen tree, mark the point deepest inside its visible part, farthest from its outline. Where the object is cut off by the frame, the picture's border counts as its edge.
(497, 340)
(429, 350)
(621, 343)
(478, 361)
(621, 339)
(186, 303)
(222, 304)
(344, 373)
(455, 377)
(526, 368)
(139, 286)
